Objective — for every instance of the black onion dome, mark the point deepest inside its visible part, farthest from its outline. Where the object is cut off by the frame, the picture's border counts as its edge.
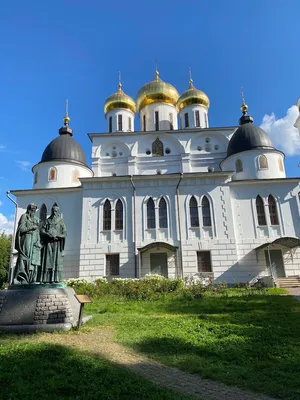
(248, 137)
(64, 148)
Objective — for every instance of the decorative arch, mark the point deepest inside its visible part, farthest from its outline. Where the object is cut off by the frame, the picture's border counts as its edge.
(52, 176)
(194, 215)
(260, 211)
(273, 210)
(262, 162)
(239, 166)
(163, 213)
(206, 216)
(150, 214)
(107, 216)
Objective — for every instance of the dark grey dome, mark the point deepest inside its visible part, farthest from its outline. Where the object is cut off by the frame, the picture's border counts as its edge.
(248, 137)
(64, 148)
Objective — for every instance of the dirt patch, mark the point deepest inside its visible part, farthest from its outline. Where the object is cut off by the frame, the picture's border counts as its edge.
(100, 342)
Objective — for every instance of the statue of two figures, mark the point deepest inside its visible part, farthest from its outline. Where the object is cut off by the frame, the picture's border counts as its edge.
(40, 247)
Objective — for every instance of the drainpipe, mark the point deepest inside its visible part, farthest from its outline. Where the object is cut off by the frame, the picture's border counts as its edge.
(11, 261)
(179, 225)
(136, 272)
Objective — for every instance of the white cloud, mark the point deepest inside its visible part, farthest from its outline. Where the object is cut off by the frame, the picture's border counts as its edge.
(24, 165)
(284, 135)
(6, 224)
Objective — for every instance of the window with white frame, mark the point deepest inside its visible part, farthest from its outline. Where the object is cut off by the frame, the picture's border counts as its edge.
(273, 210)
(206, 217)
(262, 162)
(163, 214)
(107, 216)
(150, 214)
(194, 216)
(260, 211)
(119, 215)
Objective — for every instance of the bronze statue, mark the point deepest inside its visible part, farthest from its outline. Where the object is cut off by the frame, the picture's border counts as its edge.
(53, 234)
(28, 245)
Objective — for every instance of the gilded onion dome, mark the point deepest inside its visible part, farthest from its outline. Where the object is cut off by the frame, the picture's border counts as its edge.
(192, 96)
(119, 100)
(156, 91)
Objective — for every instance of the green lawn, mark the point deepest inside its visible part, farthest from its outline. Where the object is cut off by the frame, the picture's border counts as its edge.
(251, 341)
(42, 371)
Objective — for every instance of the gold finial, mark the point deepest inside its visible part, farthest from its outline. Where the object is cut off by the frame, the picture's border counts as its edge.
(67, 119)
(120, 83)
(244, 106)
(156, 71)
(191, 79)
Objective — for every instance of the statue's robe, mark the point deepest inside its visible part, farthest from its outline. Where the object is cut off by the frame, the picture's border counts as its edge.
(53, 235)
(28, 245)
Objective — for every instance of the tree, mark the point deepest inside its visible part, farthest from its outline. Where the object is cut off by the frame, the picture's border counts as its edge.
(5, 246)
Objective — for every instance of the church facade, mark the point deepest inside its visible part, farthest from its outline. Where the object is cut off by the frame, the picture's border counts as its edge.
(175, 197)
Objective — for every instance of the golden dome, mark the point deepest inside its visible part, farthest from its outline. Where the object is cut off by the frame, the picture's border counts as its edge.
(119, 100)
(192, 96)
(156, 91)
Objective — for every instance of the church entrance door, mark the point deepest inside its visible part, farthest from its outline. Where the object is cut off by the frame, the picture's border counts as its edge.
(159, 264)
(277, 265)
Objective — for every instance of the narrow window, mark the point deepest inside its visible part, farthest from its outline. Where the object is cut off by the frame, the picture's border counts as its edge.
(52, 174)
(163, 214)
(156, 121)
(204, 261)
(273, 210)
(150, 214)
(129, 124)
(120, 123)
(260, 211)
(205, 117)
(262, 162)
(144, 123)
(206, 212)
(35, 177)
(119, 215)
(197, 118)
(112, 264)
(194, 213)
(171, 121)
(75, 176)
(107, 216)
(43, 214)
(110, 124)
(238, 166)
(186, 119)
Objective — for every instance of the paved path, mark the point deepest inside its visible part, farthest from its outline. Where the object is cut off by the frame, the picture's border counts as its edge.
(295, 292)
(100, 342)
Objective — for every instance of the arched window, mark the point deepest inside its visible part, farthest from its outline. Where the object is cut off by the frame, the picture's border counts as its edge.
(262, 162)
(43, 214)
(163, 214)
(35, 177)
(52, 174)
(206, 212)
(107, 216)
(280, 164)
(238, 166)
(260, 211)
(273, 210)
(194, 213)
(119, 216)
(150, 214)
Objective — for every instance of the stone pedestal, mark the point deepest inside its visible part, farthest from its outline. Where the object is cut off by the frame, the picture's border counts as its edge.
(38, 308)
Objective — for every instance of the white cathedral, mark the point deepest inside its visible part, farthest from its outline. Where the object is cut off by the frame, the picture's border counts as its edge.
(170, 200)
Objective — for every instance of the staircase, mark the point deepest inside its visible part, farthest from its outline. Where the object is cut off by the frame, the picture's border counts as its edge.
(289, 282)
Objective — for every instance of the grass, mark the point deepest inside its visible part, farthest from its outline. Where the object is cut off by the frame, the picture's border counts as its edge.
(42, 371)
(251, 341)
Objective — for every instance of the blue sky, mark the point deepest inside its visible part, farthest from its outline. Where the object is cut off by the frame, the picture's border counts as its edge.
(74, 49)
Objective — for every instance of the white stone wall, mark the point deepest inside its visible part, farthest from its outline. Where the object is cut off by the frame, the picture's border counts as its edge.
(191, 110)
(127, 118)
(164, 110)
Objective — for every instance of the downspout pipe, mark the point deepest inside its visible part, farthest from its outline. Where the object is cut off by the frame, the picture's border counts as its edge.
(179, 225)
(11, 260)
(134, 229)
